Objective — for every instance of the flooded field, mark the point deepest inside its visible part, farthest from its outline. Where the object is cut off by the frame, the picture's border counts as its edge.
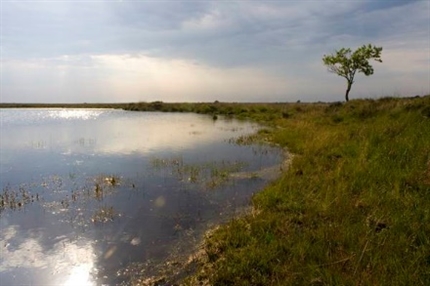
(102, 197)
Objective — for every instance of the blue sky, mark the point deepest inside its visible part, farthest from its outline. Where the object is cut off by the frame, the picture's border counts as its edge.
(122, 51)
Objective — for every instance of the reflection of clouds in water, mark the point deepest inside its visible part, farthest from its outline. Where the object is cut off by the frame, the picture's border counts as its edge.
(70, 263)
(118, 132)
(83, 114)
(169, 132)
(80, 275)
(29, 253)
(21, 117)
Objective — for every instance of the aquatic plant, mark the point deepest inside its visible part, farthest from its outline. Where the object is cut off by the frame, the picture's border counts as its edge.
(103, 215)
(208, 174)
(103, 185)
(14, 199)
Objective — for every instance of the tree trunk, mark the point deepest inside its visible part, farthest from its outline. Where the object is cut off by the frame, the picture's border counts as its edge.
(347, 91)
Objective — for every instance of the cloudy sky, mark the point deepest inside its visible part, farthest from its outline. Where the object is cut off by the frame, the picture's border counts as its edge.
(122, 51)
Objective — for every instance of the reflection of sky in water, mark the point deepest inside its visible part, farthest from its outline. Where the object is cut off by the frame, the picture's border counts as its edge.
(66, 263)
(114, 132)
(62, 154)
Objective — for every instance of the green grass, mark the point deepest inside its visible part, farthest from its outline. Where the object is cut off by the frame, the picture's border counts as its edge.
(352, 209)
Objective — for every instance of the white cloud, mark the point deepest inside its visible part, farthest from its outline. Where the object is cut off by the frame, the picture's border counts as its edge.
(126, 78)
(208, 21)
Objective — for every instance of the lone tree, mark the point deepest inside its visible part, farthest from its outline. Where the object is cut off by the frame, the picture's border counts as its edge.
(346, 63)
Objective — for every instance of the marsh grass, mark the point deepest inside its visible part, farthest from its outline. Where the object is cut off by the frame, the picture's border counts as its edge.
(102, 185)
(208, 174)
(65, 197)
(353, 208)
(103, 214)
(15, 199)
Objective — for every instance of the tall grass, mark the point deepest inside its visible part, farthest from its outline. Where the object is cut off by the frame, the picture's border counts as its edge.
(352, 209)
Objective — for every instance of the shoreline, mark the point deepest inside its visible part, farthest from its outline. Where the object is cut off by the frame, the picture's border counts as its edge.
(178, 267)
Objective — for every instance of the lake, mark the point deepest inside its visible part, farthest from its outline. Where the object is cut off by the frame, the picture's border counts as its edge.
(102, 196)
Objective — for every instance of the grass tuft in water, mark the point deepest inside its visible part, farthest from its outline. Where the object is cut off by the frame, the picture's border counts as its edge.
(16, 199)
(103, 214)
(209, 174)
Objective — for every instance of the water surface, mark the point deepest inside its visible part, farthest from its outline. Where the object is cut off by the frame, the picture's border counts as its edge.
(90, 195)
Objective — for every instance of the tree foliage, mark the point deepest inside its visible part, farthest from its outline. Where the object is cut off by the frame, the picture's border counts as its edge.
(346, 63)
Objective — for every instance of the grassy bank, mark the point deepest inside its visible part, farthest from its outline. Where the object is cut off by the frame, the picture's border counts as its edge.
(353, 208)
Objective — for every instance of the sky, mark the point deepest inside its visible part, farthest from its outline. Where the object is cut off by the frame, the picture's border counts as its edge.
(202, 51)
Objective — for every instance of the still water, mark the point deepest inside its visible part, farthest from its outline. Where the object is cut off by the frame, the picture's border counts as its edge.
(100, 196)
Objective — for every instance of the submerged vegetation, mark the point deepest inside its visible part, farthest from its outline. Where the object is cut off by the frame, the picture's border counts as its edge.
(210, 175)
(51, 195)
(352, 208)
(103, 214)
(16, 199)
